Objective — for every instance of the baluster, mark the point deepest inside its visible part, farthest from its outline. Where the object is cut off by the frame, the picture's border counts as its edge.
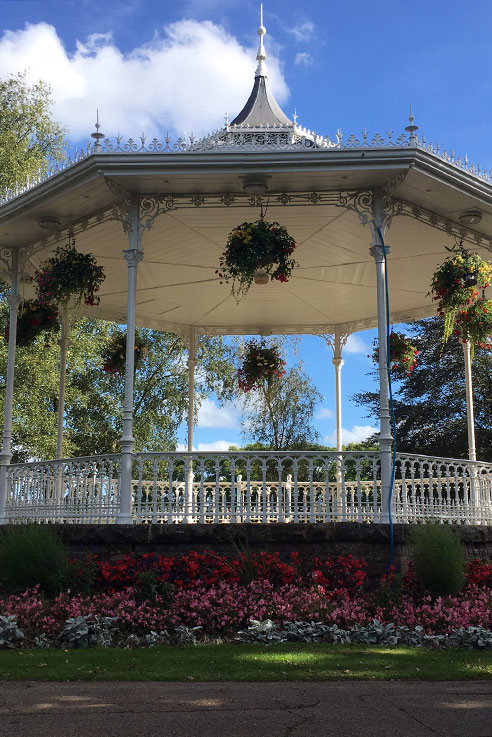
(312, 516)
(295, 468)
(358, 494)
(170, 492)
(201, 494)
(263, 501)
(280, 517)
(216, 492)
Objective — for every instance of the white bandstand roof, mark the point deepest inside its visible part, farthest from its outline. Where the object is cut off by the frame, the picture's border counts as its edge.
(317, 188)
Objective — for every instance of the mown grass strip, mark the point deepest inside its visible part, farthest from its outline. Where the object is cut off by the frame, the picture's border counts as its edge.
(231, 662)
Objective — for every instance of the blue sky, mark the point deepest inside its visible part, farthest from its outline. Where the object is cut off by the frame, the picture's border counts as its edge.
(159, 67)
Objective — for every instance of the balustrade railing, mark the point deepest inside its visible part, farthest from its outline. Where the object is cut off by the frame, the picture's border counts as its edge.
(259, 487)
(77, 490)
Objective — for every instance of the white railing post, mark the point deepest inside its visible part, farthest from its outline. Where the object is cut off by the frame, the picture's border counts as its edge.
(133, 256)
(6, 454)
(378, 251)
(472, 453)
(188, 494)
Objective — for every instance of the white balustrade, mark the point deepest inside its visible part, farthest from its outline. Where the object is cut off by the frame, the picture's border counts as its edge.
(258, 487)
(77, 490)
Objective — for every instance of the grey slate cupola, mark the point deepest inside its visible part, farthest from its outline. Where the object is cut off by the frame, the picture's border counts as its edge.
(262, 120)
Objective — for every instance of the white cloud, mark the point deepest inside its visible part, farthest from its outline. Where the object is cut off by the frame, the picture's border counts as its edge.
(183, 80)
(324, 413)
(355, 344)
(211, 415)
(304, 31)
(356, 435)
(304, 59)
(218, 445)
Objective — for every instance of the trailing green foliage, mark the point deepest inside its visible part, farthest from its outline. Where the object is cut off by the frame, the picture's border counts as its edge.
(31, 555)
(439, 559)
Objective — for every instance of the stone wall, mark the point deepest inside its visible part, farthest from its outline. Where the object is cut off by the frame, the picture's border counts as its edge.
(370, 542)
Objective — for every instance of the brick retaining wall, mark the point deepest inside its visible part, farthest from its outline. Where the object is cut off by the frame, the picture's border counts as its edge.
(370, 542)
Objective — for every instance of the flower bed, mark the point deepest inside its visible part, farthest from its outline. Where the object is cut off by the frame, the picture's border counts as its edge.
(222, 597)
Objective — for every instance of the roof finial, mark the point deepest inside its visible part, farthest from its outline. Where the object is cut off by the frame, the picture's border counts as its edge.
(96, 135)
(261, 56)
(411, 129)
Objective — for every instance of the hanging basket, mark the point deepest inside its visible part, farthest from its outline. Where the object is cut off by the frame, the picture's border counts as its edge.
(114, 356)
(474, 325)
(456, 283)
(402, 355)
(33, 319)
(260, 364)
(69, 275)
(258, 252)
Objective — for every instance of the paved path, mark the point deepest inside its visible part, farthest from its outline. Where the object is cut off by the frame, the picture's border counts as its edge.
(348, 709)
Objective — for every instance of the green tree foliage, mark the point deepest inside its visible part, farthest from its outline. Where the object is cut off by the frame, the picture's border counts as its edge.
(280, 412)
(94, 399)
(430, 403)
(29, 138)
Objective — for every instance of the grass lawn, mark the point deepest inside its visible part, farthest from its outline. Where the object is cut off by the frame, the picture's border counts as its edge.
(239, 662)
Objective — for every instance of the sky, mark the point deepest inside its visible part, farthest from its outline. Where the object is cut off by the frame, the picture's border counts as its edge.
(165, 67)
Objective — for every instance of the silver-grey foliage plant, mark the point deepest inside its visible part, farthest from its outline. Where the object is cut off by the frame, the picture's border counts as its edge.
(87, 631)
(10, 633)
(373, 633)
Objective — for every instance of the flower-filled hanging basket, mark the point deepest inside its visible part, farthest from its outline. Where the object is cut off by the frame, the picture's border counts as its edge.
(69, 275)
(260, 364)
(402, 354)
(474, 325)
(258, 249)
(456, 284)
(33, 319)
(114, 356)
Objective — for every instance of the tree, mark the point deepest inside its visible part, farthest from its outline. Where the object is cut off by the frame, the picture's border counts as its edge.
(281, 411)
(160, 393)
(430, 403)
(94, 399)
(29, 138)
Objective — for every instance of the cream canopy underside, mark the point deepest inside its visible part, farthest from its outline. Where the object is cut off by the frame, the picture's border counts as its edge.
(334, 287)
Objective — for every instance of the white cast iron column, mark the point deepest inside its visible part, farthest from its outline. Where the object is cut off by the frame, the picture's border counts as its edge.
(337, 361)
(191, 420)
(133, 256)
(6, 454)
(472, 453)
(385, 437)
(63, 343)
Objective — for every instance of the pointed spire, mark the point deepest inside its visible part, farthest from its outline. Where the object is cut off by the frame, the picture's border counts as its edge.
(261, 55)
(411, 129)
(97, 135)
(261, 109)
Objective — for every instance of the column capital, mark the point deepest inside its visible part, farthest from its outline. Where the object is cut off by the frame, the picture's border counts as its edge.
(14, 300)
(377, 251)
(133, 256)
(337, 362)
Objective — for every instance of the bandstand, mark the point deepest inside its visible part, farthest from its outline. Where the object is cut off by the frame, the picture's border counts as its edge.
(364, 210)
